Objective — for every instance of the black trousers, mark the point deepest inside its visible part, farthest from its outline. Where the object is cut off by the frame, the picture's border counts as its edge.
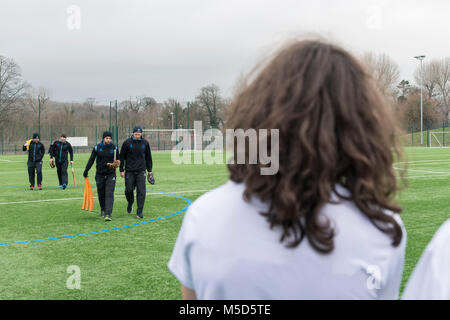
(61, 169)
(135, 179)
(32, 168)
(105, 189)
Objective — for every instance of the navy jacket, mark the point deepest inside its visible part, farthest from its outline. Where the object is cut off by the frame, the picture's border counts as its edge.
(36, 151)
(60, 150)
(135, 155)
(104, 154)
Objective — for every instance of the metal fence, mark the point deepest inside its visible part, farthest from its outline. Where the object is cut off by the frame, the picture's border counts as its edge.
(436, 134)
(13, 138)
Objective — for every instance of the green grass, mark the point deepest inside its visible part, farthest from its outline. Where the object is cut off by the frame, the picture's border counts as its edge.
(425, 200)
(131, 263)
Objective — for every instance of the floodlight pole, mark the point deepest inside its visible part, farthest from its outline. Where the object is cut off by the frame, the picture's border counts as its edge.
(421, 96)
(172, 119)
(110, 106)
(187, 122)
(176, 115)
(117, 128)
(39, 116)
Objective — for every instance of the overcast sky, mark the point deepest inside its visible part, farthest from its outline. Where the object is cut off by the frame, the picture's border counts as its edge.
(114, 49)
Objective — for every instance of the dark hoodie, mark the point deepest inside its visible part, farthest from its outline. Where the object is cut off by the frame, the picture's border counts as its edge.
(60, 150)
(135, 155)
(104, 154)
(36, 151)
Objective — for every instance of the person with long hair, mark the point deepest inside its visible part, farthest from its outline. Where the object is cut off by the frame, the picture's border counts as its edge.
(325, 225)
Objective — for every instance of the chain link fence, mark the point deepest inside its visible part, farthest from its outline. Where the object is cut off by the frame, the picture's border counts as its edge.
(13, 138)
(435, 134)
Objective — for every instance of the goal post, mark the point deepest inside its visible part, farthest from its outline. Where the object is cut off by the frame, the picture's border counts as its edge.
(168, 139)
(439, 139)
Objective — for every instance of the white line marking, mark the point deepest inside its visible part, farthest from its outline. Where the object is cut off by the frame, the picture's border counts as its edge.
(415, 161)
(11, 172)
(431, 174)
(117, 196)
(428, 177)
(424, 171)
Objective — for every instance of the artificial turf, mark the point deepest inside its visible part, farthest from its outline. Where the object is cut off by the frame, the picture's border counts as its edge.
(131, 263)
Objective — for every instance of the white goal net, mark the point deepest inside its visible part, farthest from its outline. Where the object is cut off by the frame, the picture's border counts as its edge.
(439, 139)
(168, 139)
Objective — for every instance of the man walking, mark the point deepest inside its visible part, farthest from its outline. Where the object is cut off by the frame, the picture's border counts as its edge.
(106, 154)
(135, 157)
(36, 152)
(59, 150)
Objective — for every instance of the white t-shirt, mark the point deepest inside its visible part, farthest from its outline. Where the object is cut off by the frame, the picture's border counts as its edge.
(226, 250)
(431, 277)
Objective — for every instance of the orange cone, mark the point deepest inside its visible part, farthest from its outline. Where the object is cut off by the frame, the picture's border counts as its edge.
(85, 194)
(88, 200)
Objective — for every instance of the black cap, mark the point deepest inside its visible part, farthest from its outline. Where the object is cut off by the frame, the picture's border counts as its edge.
(137, 129)
(35, 135)
(107, 134)
(63, 135)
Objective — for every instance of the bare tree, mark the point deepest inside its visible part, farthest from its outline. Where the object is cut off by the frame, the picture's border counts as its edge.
(90, 103)
(35, 97)
(137, 105)
(148, 102)
(385, 71)
(152, 115)
(409, 111)
(68, 113)
(210, 100)
(443, 87)
(12, 87)
(172, 113)
(427, 76)
(134, 106)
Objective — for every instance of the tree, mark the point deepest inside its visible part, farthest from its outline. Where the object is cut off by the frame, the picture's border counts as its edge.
(434, 77)
(443, 87)
(148, 102)
(12, 87)
(385, 72)
(90, 103)
(212, 103)
(405, 88)
(37, 100)
(427, 76)
(68, 113)
(172, 106)
(409, 111)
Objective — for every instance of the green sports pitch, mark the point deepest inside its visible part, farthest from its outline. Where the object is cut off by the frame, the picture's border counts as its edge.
(130, 261)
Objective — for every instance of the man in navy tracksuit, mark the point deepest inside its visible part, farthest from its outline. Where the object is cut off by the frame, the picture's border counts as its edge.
(36, 152)
(135, 157)
(105, 176)
(60, 150)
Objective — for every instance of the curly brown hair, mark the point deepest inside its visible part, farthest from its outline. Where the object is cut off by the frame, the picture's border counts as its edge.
(334, 129)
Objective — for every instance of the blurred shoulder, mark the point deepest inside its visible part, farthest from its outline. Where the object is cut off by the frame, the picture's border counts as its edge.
(441, 238)
(227, 197)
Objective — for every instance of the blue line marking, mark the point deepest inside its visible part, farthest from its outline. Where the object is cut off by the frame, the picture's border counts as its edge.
(189, 202)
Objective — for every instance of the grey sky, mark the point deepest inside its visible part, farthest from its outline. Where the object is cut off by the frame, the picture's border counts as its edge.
(171, 48)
